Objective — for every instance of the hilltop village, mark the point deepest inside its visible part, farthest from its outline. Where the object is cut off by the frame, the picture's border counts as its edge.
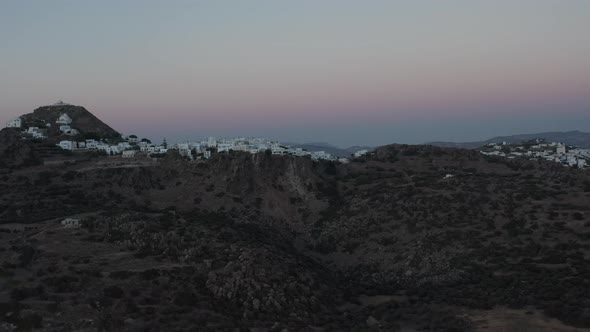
(539, 149)
(70, 139)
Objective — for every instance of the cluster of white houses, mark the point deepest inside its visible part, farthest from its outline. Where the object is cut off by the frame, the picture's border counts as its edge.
(203, 148)
(191, 150)
(63, 122)
(129, 146)
(539, 149)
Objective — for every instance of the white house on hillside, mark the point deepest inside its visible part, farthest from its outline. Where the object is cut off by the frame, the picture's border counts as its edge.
(129, 154)
(14, 123)
(361, 153)
(66, 145)
(91, 144)
(64, 119)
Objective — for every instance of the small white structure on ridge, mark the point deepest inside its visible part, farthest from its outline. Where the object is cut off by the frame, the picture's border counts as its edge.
(14, 123)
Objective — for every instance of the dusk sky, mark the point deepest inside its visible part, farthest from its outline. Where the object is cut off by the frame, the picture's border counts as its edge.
(364, 72)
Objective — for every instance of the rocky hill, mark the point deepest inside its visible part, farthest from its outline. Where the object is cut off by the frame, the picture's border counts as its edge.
(574, 138)
(408, 237)
(82, 120)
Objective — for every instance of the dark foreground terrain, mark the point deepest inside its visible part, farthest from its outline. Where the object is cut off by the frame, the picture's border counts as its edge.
(409, 238)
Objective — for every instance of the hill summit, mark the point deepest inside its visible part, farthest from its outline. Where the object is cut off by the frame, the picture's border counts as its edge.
(80, 119)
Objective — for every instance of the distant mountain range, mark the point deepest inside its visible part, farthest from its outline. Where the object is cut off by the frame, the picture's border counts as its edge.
(329, 148)
(575, 138)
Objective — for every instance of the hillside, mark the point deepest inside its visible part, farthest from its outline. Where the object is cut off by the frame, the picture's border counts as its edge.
(82, 120)
(14, 151)
(420, 237)
(575, 138)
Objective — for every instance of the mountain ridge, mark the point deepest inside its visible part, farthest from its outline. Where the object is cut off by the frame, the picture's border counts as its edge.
(574, 137)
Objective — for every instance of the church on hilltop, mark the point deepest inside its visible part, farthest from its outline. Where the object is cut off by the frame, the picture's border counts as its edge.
(59, 103)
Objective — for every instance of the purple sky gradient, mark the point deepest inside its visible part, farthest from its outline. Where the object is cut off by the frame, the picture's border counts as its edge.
(348, 72)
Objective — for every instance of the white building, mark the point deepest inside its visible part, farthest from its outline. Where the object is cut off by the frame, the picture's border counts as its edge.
(91, 144)
(211, 142)
(67, 145)
(38, 135)
(71, 223)
(128, 154)
(360, 153)
(64, 119)
(113, 150)
(59, 103)
(222, 147)
(14, 123)
(560, 149)
(124, 146)
(279, 150)
(322, 155)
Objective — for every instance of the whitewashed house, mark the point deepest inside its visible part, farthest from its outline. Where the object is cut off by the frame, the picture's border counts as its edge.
(91, 144)
(224, 147)
(64, 119)
(67, 145)
(560, 149)
(128, 154)
(277, 150)
(211, 142)
(142, 145)
(73, 132)
(322, 155)
(113, 150)
(59, 103)
(103, 147)
(38, 135)
(360, 153)
(71, 223)
(124, 146)
(14, 123)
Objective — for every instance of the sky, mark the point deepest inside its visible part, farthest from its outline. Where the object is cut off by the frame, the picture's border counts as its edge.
(364, 72)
